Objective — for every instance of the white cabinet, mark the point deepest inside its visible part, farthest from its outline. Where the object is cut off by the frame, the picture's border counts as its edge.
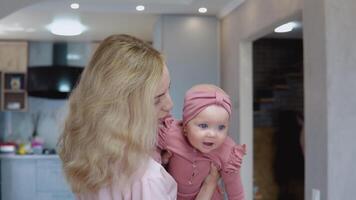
(33, 178)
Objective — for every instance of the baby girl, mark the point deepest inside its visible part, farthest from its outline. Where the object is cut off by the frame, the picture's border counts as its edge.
(200, 139)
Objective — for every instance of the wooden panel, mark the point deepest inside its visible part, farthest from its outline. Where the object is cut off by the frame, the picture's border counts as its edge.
(264, 155)
(13, 56)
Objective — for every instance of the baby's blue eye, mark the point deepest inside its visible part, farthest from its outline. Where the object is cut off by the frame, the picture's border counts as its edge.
(222, 127)
(203, 125)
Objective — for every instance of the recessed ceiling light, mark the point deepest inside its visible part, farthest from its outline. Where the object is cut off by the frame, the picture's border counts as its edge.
(202, 10)
(74, 5)
(286, 27)
(140, 8)
(66, 27)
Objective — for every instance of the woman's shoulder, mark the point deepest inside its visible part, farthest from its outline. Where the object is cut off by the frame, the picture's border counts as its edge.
(156, 182)
(153, 183)
(155, 170)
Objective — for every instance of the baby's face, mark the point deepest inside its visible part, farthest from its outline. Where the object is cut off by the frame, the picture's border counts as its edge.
(208, 130)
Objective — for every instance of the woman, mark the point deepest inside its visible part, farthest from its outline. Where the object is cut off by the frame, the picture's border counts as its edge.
(110, 132)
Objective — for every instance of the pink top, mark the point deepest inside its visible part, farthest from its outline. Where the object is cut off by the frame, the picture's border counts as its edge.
(155, 183)
(190, 167)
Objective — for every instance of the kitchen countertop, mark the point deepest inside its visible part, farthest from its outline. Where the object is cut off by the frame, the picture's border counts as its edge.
(30, 156)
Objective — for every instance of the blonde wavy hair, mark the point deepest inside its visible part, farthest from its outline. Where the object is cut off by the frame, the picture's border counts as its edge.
(111, 126)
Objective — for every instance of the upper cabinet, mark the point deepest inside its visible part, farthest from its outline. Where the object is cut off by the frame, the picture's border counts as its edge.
(13, 56)
(13, 69)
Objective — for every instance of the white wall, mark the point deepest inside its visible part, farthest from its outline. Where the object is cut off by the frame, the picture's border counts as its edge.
(253, 19)
(330, 99)
(190, 45)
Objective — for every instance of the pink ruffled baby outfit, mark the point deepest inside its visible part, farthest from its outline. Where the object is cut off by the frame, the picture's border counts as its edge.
(190, 167)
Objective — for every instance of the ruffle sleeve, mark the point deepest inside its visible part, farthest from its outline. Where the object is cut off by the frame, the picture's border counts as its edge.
(234, 161)
(163, 131)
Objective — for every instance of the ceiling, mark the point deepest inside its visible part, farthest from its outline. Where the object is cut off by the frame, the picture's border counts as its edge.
(101, 17)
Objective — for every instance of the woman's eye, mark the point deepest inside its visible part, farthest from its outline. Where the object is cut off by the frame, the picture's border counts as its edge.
(222, 127)
(203, 125)
(157, 101)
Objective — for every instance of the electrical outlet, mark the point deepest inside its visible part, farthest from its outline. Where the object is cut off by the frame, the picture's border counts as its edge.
(315, 194)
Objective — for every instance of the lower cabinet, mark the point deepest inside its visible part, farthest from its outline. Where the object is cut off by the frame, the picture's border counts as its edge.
(33, 179)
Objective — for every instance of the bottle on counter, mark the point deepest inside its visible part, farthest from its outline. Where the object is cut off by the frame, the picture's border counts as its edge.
(37, 145)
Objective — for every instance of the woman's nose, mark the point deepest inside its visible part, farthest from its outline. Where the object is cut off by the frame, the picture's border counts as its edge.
(169, 103)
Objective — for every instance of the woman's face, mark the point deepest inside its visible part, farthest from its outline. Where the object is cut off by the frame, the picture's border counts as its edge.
(163, 101)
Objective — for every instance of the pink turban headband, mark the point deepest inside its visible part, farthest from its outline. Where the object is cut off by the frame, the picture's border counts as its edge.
(197, 101)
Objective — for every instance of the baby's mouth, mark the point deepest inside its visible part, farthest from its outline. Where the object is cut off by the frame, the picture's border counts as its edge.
(209, 144)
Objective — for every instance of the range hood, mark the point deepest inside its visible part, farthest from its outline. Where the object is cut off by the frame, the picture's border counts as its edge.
(54, 81)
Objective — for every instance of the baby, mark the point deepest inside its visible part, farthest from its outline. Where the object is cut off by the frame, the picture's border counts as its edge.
(199, 139)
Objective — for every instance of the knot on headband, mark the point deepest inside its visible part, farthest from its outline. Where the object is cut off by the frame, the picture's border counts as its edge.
(197, 101)
(219, 99)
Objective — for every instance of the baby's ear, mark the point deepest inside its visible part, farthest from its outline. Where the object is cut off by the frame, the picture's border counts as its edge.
(184, 129)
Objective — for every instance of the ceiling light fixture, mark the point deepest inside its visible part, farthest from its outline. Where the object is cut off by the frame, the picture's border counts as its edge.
(202, 10)
(286, 27)
(66, 27)
(140, 8)
(74, 5)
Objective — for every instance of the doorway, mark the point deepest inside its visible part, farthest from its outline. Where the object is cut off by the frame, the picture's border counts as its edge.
(278, 110)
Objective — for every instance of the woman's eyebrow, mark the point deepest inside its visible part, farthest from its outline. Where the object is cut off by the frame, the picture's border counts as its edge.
(158, 96)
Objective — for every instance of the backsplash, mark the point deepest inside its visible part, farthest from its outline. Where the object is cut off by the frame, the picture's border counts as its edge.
(19, 126)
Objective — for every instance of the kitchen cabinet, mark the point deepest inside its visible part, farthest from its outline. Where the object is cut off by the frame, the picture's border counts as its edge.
(13, 72)
(13, 91)
(13, 56)
(33, 177)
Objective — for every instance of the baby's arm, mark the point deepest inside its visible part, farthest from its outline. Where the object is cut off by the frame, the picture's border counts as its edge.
(233, 185)
(163, 132)
(230, 173)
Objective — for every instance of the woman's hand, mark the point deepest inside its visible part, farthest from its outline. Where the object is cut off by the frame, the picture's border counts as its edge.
(165, 156)
(209, 186)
